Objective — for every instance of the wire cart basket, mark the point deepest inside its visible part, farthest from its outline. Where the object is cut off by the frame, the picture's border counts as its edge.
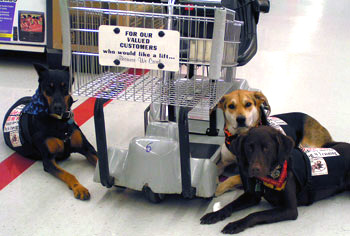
(177, 56)
(209, 37)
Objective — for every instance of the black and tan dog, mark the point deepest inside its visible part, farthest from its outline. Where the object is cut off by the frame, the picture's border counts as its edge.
(285, 176)
(245, 109)
(42, 127)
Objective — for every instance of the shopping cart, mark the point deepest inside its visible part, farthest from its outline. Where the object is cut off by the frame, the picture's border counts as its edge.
(177, 57)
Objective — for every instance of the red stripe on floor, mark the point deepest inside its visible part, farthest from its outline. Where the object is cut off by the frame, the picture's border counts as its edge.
(16, 164)
(85, 111)
(12, 167)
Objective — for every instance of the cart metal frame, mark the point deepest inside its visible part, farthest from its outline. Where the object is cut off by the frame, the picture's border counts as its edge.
(209, 45)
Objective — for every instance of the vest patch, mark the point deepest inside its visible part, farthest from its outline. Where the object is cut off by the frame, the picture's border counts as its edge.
(316, 155)
(12, 125)
(12, 122)
(276, 123)
(15, 139)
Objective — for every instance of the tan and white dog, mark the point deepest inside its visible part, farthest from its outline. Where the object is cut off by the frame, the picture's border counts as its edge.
(243, 110)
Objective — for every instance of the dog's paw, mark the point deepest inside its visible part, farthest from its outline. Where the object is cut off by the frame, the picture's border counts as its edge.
(80, 192)
(234, 227)
(213, 217)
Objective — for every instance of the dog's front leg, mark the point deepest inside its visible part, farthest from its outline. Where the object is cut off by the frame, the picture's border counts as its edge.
(80, 192)
(228, 184)
(80, 144)
(244, 201)
(288, 211)
(54, 146)
(262, 217)
(226, 159)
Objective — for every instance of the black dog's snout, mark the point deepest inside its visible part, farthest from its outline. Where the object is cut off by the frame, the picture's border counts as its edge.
(58, 108)
(240, 120)
(256, 171)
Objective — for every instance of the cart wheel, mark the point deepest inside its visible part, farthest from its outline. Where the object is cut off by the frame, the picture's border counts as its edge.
(120, 188)
(151, 196)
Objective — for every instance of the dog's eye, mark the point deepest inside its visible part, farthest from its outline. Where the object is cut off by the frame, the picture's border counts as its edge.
(248, 104)
(231, 106)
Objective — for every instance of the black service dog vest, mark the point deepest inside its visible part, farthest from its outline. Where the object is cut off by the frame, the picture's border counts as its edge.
(315, 169)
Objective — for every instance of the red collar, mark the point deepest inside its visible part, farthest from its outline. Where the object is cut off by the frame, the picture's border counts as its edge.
(228, 138)
(274, 183)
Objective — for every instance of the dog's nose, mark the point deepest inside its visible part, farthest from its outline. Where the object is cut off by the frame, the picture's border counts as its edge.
(57, 108)
(255, 171)
(240, 120)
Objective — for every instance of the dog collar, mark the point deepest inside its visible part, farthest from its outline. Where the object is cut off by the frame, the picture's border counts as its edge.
(67, 115)
(228, 137)
(277, 178)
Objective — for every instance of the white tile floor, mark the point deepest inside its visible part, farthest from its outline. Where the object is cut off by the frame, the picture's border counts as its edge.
(302, 65)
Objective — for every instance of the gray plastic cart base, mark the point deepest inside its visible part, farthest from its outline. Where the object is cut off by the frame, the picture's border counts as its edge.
(153, 162)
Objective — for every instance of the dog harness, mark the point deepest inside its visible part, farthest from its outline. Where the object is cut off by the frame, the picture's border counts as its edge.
(16, 129)
(314, 168)
(317, 169)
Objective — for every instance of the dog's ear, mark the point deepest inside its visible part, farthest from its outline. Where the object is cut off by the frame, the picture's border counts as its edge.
(284, 148)
(221, 103)
(40, 69)
(262, 100)
(236, 146)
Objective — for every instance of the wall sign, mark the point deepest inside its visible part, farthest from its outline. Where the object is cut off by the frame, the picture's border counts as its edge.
(153, 49)
(7, 13)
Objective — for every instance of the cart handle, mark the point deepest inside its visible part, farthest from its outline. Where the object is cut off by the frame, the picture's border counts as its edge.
(184, 144)
(105, 178)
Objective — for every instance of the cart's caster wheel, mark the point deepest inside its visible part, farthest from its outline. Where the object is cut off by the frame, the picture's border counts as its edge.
(151, 196)
(120, 188)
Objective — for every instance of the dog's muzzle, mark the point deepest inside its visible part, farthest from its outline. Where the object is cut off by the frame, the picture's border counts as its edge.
(241, 121)
(66, 115)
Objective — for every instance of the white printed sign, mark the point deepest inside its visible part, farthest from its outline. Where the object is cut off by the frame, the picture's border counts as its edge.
(316, 155)
(276, 123)
(154, 49)
(320, 152)
(12, 122)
